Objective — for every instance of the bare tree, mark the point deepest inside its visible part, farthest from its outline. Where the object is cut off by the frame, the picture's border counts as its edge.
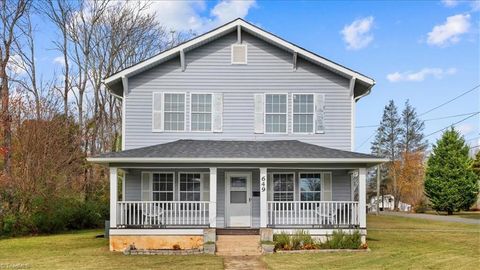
(11, 15)
(61, 12)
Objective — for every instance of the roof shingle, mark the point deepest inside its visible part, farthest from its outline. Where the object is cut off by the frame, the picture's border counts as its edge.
(236, 149)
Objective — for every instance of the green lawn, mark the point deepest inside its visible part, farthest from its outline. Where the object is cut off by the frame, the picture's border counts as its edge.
(396, 243)
(81, 250)
(399, 243)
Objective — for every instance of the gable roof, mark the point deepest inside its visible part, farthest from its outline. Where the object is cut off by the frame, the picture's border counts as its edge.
(117, 78)
(184, 151)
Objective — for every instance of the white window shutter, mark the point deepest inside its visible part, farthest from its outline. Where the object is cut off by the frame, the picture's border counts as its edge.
(319, 113)
(217, 112)
(206, 186)
(327, 187)
(146, 186)
(157, 113)
(259, 113)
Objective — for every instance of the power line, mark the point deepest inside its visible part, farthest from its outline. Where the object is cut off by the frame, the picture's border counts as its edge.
(360, 146)
(448, 101)
(443, 104)
(472, 115)
(428, 120)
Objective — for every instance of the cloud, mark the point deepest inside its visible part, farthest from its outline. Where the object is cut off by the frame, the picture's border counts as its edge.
(188, 15)
(465, 129)
(420, 75)
(16, 66)
(449, 32)
(59, 60)
(357, 35)
(450, 3)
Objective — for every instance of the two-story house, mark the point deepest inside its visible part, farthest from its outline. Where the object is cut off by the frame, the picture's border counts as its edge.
(235, 129)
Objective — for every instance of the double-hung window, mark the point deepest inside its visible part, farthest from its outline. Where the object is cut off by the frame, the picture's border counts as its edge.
(162, 186)
(283, 186)
(303, 113)
(190, 186)
(201, 112)
(275, 113)
(174, 111)
(310, 186)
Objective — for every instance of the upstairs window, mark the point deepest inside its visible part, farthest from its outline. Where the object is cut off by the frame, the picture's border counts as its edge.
(303, 113)
(201, 112)
(275, 113)
(174, 112)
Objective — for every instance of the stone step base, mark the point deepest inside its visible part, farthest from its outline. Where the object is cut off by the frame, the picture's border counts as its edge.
(238, 245)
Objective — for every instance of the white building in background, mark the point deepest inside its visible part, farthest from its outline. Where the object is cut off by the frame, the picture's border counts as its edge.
(387, 204)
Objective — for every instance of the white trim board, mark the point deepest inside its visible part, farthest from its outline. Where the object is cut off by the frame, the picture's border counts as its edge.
(236, 160)
(231, 26)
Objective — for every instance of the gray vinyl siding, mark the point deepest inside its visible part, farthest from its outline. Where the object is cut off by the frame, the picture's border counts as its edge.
(208, 70)
(341, 189)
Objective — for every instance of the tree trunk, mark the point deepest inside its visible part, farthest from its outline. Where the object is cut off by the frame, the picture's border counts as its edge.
(6, 120)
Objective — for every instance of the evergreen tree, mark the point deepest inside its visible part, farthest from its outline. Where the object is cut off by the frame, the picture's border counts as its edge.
(387, 144)
(412, 138)
(476, 164)
(450, 183)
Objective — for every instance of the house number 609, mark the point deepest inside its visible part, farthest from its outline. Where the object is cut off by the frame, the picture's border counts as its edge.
(263, 183)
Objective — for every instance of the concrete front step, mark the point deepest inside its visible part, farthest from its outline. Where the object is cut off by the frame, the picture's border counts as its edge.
(238, 245)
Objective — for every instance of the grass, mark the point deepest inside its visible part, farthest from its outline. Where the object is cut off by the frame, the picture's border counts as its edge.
(81, 250)
(398, 243)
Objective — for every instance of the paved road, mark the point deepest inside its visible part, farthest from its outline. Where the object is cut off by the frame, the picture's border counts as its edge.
(434, 217)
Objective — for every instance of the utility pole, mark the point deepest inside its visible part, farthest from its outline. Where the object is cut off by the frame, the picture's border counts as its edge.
(378, 190)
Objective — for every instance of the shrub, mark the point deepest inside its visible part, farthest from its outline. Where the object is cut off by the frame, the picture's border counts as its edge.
(300, 239)
(282, 241)
(341, 240)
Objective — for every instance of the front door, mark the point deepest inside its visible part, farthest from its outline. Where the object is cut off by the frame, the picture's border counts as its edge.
(238, 192)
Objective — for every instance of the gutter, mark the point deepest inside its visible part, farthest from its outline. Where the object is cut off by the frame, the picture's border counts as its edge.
(234, 160)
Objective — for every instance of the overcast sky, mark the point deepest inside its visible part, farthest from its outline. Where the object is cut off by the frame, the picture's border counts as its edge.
(424, 51)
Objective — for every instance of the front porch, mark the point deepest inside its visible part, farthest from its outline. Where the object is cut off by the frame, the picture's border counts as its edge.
(230, 197)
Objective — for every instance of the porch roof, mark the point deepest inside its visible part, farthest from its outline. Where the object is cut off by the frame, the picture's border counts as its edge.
(236, 151)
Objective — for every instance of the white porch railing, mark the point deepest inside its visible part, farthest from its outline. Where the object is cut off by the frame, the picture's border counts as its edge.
(335, 214)
(153, 214)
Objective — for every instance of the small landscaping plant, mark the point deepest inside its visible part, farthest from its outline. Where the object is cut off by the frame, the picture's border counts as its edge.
(282, 241)
(303, 240)
(341, 240)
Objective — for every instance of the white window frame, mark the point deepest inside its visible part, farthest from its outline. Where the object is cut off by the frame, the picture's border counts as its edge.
(211, 112)
(265, 113)
(184, 111)
(202, 179)
(322, 177)
(292, 113)
(151, 183)
(246, 54)
(272, 190)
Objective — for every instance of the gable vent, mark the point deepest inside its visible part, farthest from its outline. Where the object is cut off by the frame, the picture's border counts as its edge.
(239, 54)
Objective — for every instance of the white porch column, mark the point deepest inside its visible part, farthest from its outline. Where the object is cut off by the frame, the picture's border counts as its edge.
(362, 197)
(263, 198)
(212, 206)
(113, 196)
